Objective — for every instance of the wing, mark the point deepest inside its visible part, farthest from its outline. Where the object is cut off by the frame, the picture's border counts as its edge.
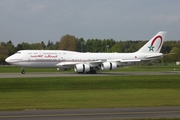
(94, 63)
(124, 60)
(72, 64)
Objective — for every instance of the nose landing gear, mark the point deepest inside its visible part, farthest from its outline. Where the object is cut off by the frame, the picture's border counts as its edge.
(22, 70)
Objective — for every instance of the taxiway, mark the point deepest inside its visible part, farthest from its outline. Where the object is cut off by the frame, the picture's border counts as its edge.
(70, 74)
(93, 114)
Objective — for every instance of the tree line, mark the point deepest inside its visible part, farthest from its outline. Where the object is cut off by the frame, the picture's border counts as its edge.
(171, 49)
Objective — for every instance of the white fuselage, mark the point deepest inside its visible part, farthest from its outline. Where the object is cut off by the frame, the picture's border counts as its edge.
(54, 58)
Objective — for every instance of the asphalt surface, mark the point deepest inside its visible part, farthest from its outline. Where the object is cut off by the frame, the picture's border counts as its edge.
(92, 114)
(68, 74)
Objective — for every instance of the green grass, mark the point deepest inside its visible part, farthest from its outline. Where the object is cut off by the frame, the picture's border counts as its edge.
(89, 92)
(148, 68)
(15, 69)
(90, 83)
(154, 119)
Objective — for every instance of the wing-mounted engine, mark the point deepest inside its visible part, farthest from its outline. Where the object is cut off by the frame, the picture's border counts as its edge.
(108, 66)
(82, 68)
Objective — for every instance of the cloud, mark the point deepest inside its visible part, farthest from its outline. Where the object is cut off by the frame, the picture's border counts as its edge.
(36, 7)
(38, 20)
(166, 18)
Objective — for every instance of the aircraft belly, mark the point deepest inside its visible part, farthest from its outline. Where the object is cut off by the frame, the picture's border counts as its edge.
(38, 64)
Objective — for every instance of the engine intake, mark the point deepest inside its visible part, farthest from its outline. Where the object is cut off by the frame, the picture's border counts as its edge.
(82, 68)
(108, 66)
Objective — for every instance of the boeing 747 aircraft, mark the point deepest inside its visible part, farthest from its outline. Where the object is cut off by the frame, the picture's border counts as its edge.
(86, 62)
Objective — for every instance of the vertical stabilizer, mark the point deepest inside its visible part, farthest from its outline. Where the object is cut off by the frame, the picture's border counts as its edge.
(154, 45)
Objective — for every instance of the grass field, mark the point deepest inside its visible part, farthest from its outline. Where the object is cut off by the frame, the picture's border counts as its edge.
(89, 92)
(15, 69)
(156, 119)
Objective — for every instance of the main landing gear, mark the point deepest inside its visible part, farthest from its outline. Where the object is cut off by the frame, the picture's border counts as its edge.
(22, 70)
(93, 72)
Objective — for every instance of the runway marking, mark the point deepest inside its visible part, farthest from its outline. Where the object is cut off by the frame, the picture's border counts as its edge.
(89, 114)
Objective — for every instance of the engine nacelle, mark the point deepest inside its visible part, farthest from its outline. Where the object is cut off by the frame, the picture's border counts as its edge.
(82, 68)
(108, 66)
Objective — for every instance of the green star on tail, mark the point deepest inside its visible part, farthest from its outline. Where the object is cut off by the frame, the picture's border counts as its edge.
(151, 48)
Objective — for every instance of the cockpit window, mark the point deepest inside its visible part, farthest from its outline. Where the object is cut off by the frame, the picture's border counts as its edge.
(18, 52)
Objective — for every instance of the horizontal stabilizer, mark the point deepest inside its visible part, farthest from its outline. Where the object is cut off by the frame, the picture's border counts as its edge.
(154, 56)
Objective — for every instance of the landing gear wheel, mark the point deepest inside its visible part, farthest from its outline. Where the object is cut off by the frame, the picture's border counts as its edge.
(22, 71)
(92, 72)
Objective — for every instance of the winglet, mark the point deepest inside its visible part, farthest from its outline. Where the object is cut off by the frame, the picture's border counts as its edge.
(154, 45)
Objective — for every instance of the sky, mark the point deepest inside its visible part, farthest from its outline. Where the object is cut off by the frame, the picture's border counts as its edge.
(33, 21)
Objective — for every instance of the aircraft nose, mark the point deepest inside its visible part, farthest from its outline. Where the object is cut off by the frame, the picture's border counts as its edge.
(7, 60)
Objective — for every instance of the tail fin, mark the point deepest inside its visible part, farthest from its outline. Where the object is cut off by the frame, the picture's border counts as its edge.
(154, 45)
